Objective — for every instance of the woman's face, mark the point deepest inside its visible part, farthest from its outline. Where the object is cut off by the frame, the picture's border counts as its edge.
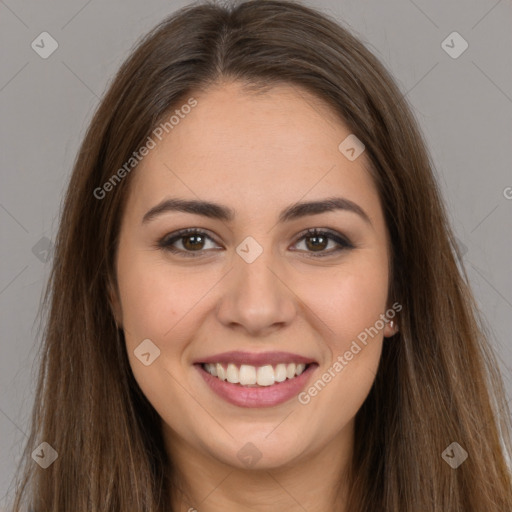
(254, 284)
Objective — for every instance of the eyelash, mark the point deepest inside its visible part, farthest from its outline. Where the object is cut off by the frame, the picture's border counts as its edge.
(166, 242)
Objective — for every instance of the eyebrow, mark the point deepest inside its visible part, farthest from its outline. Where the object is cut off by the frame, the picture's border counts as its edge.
(224, 213)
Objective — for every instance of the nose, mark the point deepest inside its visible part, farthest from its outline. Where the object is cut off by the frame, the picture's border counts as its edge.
(256, 298)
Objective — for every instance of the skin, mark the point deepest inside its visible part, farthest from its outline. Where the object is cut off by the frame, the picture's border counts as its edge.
(256, 153)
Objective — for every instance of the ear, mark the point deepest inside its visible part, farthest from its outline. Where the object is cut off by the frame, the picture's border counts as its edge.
(115, 304)
(391, 328)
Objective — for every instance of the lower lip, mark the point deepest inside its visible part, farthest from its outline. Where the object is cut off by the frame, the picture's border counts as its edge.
(264, 396)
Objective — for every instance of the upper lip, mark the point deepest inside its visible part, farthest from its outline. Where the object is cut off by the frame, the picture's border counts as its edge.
(256, 359)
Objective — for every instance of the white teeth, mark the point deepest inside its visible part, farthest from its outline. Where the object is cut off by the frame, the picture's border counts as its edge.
(221, 373)
(280, 373)
(232, 374)
(265, 376)
(290, 370)
(212, 369)
(248, 375)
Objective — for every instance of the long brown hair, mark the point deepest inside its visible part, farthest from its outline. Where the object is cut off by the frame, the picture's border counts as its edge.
(438, 380)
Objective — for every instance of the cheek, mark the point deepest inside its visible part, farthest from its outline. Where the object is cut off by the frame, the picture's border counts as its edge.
(349, 300)
(349, 303)
(145, 300)
(151, 300)
(351, 308)
(161, 303)
(152, 305)
(153, 293)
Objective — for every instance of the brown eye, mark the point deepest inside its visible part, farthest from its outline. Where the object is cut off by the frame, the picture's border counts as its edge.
(191, 240)
(317, 241)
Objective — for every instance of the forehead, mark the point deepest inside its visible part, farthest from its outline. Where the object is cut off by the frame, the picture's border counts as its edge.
(271, 148)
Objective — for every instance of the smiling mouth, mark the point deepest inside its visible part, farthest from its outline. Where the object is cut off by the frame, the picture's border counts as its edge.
(255, 376)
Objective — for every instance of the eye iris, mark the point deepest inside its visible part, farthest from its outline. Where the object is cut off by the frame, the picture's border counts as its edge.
(316, 245)
(194, 245)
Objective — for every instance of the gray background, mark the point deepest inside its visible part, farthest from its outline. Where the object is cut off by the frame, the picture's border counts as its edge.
(463, 105)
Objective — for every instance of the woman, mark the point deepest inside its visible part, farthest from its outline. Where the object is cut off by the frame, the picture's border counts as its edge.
(256, 302)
